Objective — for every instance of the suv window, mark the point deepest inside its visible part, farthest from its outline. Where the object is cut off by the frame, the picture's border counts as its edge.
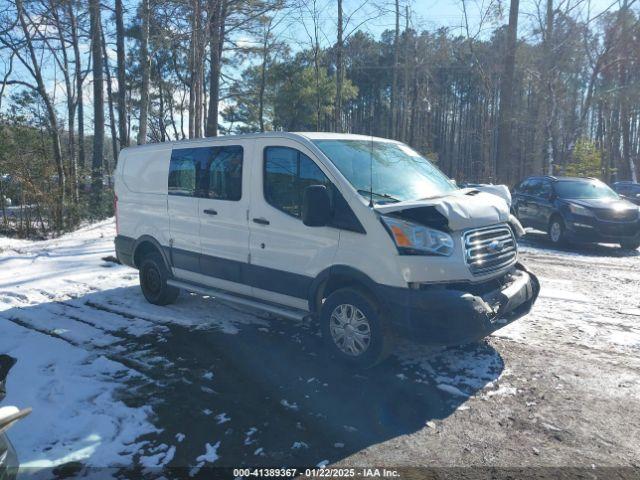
(545, 189)
(534, 187)
(287, 172)
(209, 172)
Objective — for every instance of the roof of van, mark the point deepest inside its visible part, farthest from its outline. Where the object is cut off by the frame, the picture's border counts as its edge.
(293, 135)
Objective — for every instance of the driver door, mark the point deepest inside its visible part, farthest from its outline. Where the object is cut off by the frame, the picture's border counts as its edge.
(285, 254)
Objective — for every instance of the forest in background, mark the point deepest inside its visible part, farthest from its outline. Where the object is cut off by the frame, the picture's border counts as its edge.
(554, 92)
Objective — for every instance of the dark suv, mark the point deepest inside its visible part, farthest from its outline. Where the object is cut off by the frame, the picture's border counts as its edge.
(628, 190)
(577, 209)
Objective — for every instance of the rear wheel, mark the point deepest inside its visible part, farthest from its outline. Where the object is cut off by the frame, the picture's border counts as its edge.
(354, 328)
(153, 275)
(556, 231)
(630, 244)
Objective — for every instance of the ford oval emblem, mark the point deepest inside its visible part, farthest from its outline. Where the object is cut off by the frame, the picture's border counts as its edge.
(495, 246)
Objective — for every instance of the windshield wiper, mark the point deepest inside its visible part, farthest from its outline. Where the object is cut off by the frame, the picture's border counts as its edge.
(376, 194)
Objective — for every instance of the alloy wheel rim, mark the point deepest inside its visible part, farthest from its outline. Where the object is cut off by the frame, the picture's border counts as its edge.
(555, 231)
(350, 329)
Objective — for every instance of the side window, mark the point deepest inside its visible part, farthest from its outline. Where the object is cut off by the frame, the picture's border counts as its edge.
(534, 187)
(224, 173)
(210, 172)
(545, 189)
(182, 173)
(522, 188)
(287, 172)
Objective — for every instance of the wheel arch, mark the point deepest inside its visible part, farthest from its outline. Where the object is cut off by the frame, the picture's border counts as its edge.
(555, 214)
(146, 244)
(335, 278)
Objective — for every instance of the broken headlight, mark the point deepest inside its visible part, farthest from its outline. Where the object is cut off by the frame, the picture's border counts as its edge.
(414, 239)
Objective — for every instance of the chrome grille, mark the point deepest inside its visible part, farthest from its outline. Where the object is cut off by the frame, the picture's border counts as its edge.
(489, 249)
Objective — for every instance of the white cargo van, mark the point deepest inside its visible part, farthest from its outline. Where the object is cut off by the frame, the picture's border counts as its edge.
(361, 233)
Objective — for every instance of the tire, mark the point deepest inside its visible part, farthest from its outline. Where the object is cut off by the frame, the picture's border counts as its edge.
(556, 231)
(362, 314)
(630, 245)
(153, 276)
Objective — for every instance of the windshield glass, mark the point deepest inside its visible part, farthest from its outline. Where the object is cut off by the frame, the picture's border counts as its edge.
(399, 173)
(585, 189)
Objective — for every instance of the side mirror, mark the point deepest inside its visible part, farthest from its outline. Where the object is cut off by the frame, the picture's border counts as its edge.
(316, 206)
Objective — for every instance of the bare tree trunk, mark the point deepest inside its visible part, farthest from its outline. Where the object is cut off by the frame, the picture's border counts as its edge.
(161, 114)
(5, 79)
(51, 114)
(394, 84)
(405, 90)
(550, 114)
(217, 13)
(503, 164)
(122, 86)
(144, 62)
(98, 107)
(194, 59)
(337, 110)
(112, 117)
(263, 74)
(625, 114)
(79, 82)
(71, 104)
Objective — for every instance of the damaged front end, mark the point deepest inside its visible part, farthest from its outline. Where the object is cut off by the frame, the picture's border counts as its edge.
(461, 313)
(464, 293)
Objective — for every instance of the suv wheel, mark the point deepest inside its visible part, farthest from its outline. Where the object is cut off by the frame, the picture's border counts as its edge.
(353, 328)
(630, 244)
(153, 280)
(556, 231)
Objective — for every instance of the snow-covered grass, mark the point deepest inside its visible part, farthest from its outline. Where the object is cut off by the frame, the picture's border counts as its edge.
(60, 306)
(73, 391)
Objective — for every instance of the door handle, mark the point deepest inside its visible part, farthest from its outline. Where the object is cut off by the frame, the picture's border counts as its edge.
(261, 221)
(210, 211)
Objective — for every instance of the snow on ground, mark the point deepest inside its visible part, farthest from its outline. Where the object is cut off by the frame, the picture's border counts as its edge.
(114, 380)
(589, 296)
(57, 319)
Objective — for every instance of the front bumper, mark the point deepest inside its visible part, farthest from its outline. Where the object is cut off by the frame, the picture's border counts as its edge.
(591, 229)
(456, 314)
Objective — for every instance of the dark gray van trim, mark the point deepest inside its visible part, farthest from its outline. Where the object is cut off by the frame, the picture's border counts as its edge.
(265, 278)
(126, 248)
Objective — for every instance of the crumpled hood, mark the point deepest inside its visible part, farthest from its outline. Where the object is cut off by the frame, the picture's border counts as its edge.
(465, 208)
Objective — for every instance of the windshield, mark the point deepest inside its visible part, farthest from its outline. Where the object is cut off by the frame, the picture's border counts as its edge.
(398, 172)
(584, 190)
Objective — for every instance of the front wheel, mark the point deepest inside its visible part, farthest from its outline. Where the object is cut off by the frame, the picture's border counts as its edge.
(556, 231)
(153, 281)
(630, 245)
(354, 328)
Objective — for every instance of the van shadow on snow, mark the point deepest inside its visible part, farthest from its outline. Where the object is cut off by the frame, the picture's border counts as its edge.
(269, 395)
